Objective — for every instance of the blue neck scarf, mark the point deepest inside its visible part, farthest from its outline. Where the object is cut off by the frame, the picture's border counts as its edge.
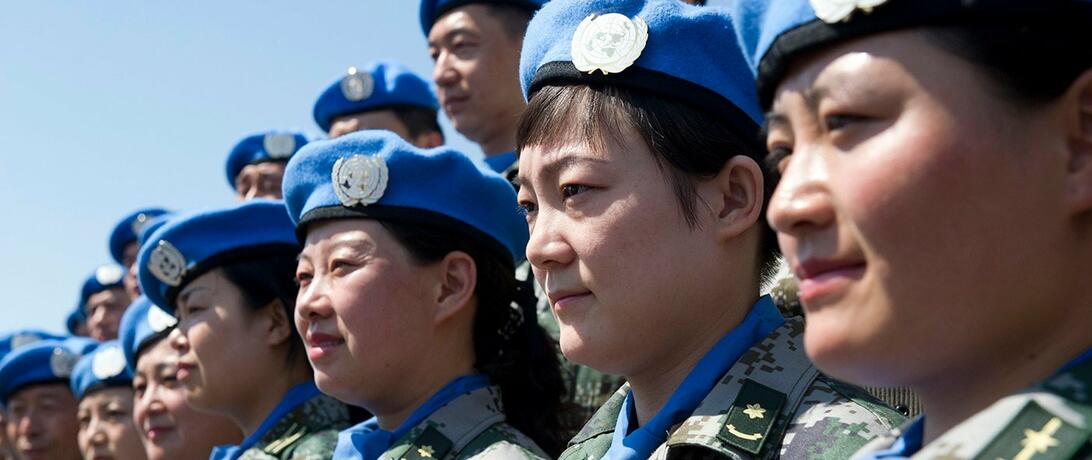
(639, 443)
(368, 441)
(294, 398)
(499, 163)
(909, 443)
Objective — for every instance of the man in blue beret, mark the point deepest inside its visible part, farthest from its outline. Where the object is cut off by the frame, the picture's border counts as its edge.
(123, 241)
(8, 343)
(38, 404)
(256, 164)
(475, 49)
(103, 299)
(381, 95)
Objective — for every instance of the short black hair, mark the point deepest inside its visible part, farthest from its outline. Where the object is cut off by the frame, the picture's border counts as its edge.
(417, 120)
(513, 18)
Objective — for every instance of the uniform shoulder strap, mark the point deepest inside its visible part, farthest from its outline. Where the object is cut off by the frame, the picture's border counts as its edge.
(750, 408)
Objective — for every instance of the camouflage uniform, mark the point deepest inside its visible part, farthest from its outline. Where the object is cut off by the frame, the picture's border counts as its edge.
(1050, 420)
(771, 403)
(307, 433)
(471, 426)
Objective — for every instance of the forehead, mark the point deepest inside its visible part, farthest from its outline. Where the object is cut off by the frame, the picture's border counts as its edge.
(263, 168)
(155, 354)
(106, 396)
(472, 18)
(105, 296)
(375, 119)
(336, 231)
(42, 391)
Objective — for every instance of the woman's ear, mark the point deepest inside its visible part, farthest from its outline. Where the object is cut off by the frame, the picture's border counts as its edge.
(735, 197)
(280, 324)
(458, 278)
(1078, 119)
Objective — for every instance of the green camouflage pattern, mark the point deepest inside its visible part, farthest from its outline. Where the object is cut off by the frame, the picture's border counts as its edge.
(1047, 421)
(819, 418)
(307, 433)
(471, 426)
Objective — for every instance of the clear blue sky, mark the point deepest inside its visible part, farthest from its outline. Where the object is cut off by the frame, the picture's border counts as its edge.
(109, 106)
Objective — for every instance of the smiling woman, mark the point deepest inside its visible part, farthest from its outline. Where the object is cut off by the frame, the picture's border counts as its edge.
(227, 276)
(936, 203)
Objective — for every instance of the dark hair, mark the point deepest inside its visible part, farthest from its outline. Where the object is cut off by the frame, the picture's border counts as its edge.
(513, 18)
(265, 279)
(1031, 62)
(689, 144)
(509, 345)
(417, 120)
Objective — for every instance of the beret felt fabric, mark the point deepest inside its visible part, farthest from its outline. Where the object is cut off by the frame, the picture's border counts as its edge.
(379, 85)
(378, 175)
(143, 324)
(105, 277)
(191, 244)
(773, 33)
(664, 47)
(101, 368)
(431, 10)
(262, 147)
(126, 230)
(44, 361)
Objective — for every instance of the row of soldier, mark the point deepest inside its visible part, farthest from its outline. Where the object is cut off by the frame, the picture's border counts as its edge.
(926, 167)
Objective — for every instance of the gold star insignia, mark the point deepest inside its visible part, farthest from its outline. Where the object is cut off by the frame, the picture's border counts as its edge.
(754, 411)
(1038, 442)
(426, 451)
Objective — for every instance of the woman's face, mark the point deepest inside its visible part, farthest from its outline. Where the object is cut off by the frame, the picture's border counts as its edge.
(220, 343)
(171, 430)
(106, 425)
(365, 310)
(625, 274)
(918, 209)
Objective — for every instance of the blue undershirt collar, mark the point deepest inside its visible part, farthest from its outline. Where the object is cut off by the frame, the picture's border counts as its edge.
(632, 442)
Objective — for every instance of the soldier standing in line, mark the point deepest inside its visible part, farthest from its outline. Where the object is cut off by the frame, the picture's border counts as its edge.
(935, 201)
(255, 165)
(381, 95)
(475, 48)
(170, 429)
(123, 246)
(639, 174)
(104, 394)
(227, 275)
(104, 299)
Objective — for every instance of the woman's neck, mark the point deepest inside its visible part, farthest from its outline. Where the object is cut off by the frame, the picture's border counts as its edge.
(260, 405)
(965, 389)
(653, 385)
(431, 375)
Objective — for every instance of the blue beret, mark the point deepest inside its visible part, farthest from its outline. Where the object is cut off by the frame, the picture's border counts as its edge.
(262, 147)
(191, 244)
(126, 230)
(18, 339)
(377, 86)
(150, 227)
(143, 324)
(103, 367)
(105, 277)
(772, 33)
(431, 10)
(75, 317)
(664, 47)
(44, 361)
(381, 176)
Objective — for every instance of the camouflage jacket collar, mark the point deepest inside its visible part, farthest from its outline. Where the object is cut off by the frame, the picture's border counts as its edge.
(1049, 420)
(711, 426)
(304, 410)
(451, 427)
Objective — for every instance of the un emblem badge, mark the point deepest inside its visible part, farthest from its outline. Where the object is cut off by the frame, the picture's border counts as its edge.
(167, 264)
(357, 86)
(609, 43)
(359, 179)
(279, 145)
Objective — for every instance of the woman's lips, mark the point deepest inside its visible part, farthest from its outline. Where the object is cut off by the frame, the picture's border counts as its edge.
(824, 279)
(185, 371)
(157, 433)
(322, 345)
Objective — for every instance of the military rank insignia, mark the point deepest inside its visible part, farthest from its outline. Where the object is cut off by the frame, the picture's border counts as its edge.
(752, 416)
(1035, 434)
(430, 444)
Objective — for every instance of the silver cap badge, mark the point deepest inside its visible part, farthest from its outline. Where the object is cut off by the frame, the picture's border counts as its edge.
(138, 223)
(61, 362)
(359, 179)
(357, 85)
(279, 145)
(109, 274)
(831, 11)
(160, 320)
(108, 362)
(167, 264)
(609, 43)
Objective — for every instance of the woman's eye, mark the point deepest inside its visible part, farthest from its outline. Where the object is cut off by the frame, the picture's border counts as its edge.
(527, 208)
(839, 121)
(571, 190)
(303, 278)
(776, 159)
